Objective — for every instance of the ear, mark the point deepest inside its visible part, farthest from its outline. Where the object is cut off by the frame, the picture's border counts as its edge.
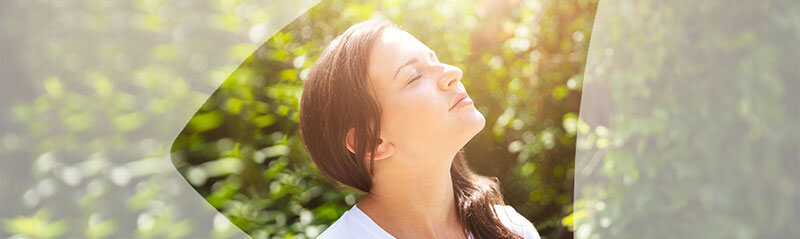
(384, 150)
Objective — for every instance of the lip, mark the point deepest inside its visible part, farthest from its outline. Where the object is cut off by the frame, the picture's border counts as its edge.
(462, 99)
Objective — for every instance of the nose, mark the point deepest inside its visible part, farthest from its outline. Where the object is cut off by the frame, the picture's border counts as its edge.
(450, 77)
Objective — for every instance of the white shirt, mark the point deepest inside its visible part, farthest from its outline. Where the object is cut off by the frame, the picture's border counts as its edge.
(354, 223)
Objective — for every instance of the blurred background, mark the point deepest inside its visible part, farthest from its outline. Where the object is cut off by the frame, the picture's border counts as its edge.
(692, 121)
(522, 61)
(687, 127)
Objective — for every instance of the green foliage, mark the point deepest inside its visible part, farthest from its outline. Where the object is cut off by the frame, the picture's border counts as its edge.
(37, 226)
(522, 64)
(690, 130)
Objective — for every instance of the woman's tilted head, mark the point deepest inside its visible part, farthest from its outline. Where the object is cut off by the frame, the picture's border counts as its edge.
(377, 92)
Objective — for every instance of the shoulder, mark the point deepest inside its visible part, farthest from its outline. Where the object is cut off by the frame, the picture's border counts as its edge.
(354, 224)
(516, 222)
(339, 229)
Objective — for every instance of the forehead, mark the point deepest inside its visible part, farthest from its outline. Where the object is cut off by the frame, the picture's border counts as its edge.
(393, 48)
(396, 40)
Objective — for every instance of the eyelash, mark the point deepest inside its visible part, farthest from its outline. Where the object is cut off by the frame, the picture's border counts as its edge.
(420, 75)
(415, 78)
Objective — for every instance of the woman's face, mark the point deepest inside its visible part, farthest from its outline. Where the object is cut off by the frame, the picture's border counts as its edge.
(416, 94)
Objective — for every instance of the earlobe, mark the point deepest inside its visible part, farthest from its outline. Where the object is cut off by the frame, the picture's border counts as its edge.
(385, 149)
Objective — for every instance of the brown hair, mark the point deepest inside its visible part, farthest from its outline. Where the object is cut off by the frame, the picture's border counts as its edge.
(336, 98)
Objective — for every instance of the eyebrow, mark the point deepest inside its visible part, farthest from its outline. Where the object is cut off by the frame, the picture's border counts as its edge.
(409, 62)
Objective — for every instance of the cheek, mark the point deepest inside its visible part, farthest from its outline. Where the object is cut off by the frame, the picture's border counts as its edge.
(416, 114)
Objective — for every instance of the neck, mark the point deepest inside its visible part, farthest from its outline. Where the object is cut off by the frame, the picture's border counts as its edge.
(415, 202)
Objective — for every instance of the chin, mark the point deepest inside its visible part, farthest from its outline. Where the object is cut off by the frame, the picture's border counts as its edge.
(469, 125)
(480, 118)
(477, 123)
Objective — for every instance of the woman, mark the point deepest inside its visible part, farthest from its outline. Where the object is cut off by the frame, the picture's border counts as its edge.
(380, 113)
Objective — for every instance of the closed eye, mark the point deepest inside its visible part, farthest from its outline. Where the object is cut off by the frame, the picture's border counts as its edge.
(415, 78)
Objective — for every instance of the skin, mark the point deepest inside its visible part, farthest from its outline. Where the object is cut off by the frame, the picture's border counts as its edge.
(412, 192)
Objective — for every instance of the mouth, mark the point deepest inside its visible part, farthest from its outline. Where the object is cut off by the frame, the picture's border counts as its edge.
(459, 98)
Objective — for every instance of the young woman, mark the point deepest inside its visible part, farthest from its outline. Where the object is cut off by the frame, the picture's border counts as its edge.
(380, 113)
